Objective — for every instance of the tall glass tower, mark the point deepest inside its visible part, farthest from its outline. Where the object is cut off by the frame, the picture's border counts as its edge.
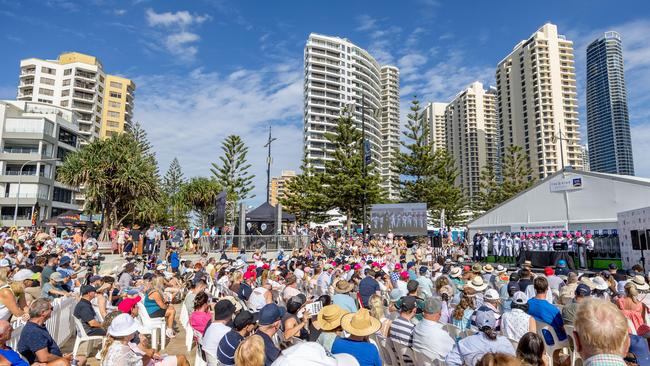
(608, 122)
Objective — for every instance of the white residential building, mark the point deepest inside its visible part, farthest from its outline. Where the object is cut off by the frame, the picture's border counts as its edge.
(340, 75)
(471, 135)
(390, 127)
(537, 102)
(78, 81)
(32, 133)
(434, 117)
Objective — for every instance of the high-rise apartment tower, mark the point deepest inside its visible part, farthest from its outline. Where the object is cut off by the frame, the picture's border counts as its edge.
(537, 102)
(340, 75)
(608, 122)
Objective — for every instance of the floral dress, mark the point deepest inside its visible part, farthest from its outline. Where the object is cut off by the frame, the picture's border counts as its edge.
(121, 355)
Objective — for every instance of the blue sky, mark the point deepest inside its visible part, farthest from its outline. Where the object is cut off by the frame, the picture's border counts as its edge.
(205, 69)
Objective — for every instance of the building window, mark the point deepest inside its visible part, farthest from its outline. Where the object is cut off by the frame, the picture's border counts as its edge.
(116, 95)
(110, 133)
(61, 153)
(65, 93)
(67, 72)
(114, 104)
(62, 195)
(113, 114)
(47, 70)
(67, 137)
(48, 92)
(66, 82)
(64, 103)
(115, 84)
(47, 81)
(113, 124)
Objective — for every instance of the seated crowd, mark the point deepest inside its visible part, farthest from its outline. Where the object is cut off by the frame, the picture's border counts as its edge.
(325, 307)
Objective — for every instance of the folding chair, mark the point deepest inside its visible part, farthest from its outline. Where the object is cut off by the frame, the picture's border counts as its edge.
(390, 358)
(153, 323)
(404, 353)
(573, 350)
(420, 358)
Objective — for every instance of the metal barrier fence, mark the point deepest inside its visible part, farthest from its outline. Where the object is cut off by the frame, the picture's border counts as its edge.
(253, 242)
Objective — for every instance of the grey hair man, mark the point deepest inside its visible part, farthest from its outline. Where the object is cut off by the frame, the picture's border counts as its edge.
(429, 337)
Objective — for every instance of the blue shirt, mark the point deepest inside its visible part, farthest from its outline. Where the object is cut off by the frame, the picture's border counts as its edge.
(173, 260)
(365, 352)
(227, 347)
(35, 338)
(367, 287)
(346, 302)
(271, 352)
(543, 311)
(13, 357)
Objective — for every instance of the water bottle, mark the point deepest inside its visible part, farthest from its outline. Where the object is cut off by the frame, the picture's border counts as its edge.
(74, 362)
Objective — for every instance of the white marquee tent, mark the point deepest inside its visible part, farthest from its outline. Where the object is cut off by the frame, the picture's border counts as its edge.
(567, 201)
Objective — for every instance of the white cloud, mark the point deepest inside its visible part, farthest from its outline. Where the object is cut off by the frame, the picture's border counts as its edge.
(181, 41)
(366, 22)
(119, 12)
(188, 116)
(409, 65)
(179, 18)
(180, 44)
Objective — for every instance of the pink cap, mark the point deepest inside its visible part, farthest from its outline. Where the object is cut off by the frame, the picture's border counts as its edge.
(398, 266)
(346, 267)
(357, 266)
(404, 275)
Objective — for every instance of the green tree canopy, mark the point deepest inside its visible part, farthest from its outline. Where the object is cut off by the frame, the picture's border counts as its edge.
(116, 176)
(200, 194)
(233, 171)
(305, 197)
(343, 181)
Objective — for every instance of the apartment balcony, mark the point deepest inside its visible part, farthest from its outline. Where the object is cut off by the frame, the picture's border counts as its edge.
(23, 95)
(27, 72)
(84, 86)
(28, 82)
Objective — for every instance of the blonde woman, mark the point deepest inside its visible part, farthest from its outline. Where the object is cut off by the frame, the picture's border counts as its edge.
(235, 282)
(156, 304)
(250, 352)
(632, 308)
(378, 311)
(12, 298)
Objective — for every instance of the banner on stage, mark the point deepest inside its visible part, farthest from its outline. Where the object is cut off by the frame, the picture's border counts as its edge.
(553, 227)
(400, 218)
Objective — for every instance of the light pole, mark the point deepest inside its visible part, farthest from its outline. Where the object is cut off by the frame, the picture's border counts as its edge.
(20, 178)
(559, 137)
(268, 167)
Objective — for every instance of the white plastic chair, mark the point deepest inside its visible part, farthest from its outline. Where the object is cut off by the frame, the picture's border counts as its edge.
(200, 359)
(557, 345)
(573, 350)
(389, 356)
(404, 353)
(454, 332)
(420, 358)
(82, 336)
(153, 323)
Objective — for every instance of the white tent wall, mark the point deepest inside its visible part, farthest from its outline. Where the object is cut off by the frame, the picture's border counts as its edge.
(592, 207)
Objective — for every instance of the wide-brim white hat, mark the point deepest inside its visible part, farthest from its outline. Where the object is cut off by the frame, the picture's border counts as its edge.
(122, 326)
(477, 284)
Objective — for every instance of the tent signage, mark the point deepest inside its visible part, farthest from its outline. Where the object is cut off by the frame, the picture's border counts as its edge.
(566, 184)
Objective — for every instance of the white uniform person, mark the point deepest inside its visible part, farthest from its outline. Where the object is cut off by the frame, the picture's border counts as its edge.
(516, 245)
(484, 247)
(496, 243)
(507, 249)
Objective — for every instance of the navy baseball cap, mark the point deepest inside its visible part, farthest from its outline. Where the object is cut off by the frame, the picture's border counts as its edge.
(423, 269)
(583, 290)
(270, 314)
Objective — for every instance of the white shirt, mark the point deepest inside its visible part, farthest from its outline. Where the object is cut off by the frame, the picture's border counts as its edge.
(212, 337)
(530, 293)
(432, 340)
(514, 324)
(257, 300)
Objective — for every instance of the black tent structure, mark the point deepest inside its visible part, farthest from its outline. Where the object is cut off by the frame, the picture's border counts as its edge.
(263, 219)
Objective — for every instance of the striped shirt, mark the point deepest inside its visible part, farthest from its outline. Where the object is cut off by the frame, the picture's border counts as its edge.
(227, 347)
(605, 360)
(401, 331)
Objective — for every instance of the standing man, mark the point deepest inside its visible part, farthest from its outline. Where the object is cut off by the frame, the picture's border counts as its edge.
(476, 247)
(325, 279)
(151, 236)
(582, 250)
(174, 260)
(496, 245)
(484, 248)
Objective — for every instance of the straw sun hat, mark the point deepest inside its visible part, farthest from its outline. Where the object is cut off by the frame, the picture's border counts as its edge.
(477, 284)
(343, 287)
(329, 317)
(360, 324)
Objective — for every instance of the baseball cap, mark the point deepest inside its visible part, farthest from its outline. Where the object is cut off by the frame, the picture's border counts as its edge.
(410, 264)
(548, 271)
(94, 278)
(398, 266)
(270, 313)
(86, 289)
(412, 285)
(423, 269)
(485, 318)
(56, 277)
(432, 305)
(408, 303)
(243, 319)
(128, 303)
(404, 275)
(64, 260)
(491, 294)
(249, 274)
(612, 266)
(148, 276)
(583, 290)
(561, 263)
(223, 310)
(519, 298)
